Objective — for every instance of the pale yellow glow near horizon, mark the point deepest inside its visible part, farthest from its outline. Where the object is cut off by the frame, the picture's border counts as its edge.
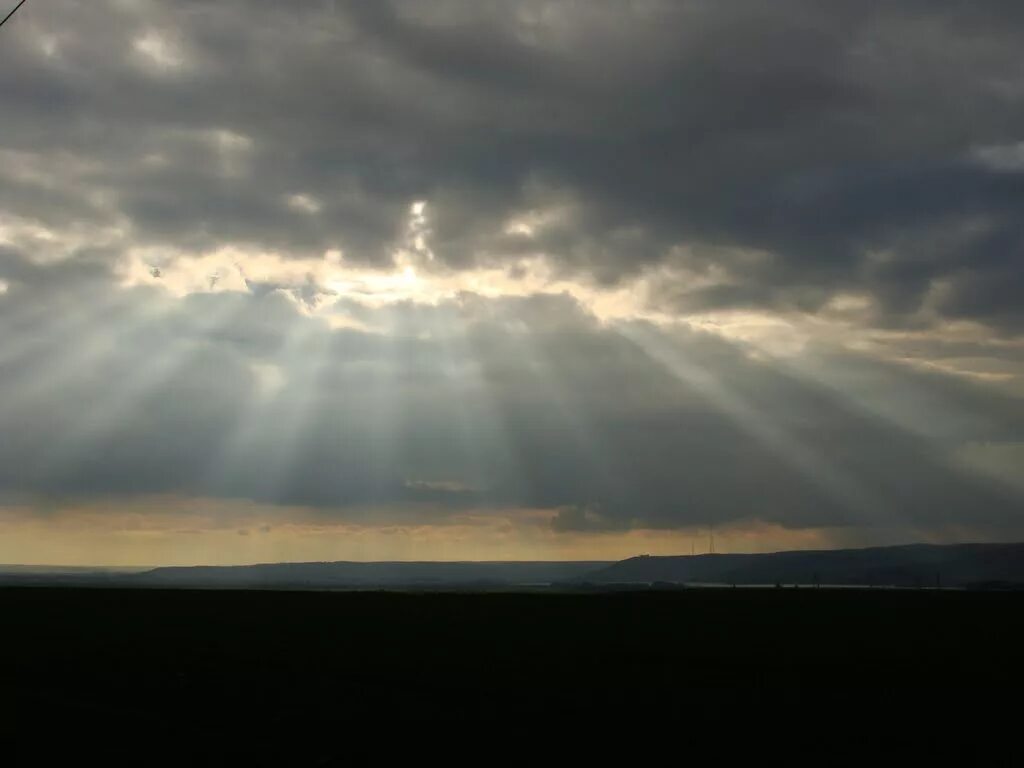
(161, 530)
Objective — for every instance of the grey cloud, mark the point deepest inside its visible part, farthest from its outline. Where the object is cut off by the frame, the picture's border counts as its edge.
(817, 134)
(1008, 158)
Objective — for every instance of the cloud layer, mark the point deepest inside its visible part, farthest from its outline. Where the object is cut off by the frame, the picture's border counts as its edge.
(642, 265)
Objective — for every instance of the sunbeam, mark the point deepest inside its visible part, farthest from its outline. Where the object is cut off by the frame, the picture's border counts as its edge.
(59, 356)
(465, 399)
(263, 449)
(850, 494)
(127, 389)
(566, 413)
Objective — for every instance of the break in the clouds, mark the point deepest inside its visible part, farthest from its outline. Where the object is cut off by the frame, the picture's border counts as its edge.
(612, 266)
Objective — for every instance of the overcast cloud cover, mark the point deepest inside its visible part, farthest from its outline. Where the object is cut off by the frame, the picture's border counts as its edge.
(609, 266)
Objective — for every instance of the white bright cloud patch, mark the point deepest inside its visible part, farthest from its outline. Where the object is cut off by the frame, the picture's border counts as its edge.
(1008, 158)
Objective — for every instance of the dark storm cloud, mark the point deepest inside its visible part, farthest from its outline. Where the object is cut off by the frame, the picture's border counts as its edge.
(821, 135)
(479, 403)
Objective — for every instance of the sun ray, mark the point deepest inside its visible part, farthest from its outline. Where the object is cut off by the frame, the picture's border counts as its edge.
(258, 458)
(480, 435)
(853, 496)
(55, 356)
(566, 421)
(122, 398)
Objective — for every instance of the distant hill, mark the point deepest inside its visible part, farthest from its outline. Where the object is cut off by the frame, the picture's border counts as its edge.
(956, 565)
(378, 574)
(910, 565)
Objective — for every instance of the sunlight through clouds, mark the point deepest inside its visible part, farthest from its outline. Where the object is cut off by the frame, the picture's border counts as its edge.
(461, 280)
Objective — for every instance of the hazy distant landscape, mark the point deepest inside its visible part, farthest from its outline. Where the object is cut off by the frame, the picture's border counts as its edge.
(920, 565)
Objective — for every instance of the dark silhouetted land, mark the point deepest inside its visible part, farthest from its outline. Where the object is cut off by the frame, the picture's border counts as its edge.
(269, 676)
(274, 664)
(914, 565)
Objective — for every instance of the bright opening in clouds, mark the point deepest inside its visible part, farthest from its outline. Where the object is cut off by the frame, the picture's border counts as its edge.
(508, 280)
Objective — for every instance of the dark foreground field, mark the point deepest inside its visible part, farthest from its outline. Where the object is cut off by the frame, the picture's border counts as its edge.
(255, 673)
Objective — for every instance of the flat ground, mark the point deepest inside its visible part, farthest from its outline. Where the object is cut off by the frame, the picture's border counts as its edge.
(194, 665)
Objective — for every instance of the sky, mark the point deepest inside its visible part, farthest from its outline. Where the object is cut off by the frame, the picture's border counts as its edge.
(329, 280)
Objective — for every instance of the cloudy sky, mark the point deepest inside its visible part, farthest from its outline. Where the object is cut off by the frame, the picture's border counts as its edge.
(508, 280)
